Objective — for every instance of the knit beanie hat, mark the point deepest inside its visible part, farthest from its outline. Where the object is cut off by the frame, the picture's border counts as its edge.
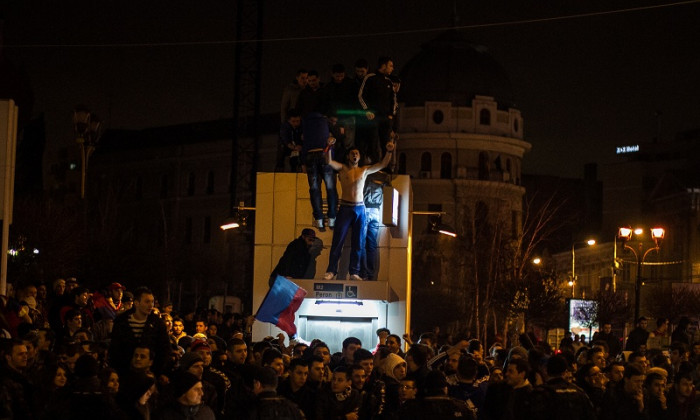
(188, 359)
(183, 382)
(390, 362)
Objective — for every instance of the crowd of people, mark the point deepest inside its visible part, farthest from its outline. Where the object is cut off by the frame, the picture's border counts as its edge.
(69, 353)
(73, 353)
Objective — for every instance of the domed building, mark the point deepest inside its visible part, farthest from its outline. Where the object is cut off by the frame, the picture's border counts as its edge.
(461, 140)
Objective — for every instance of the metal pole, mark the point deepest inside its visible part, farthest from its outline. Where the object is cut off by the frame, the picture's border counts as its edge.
(638, 284)
(573, 269)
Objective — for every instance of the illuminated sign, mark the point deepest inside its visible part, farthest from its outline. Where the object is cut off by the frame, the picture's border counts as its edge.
(390, 206)
(627, 149)
(582, 316)
(334, 291)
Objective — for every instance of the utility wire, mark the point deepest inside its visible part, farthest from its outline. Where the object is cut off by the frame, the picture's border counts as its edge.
(373, 34)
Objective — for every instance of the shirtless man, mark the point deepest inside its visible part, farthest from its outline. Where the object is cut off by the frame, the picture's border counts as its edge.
(352, 209)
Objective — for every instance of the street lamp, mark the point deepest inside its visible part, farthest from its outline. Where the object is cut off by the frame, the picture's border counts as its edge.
(572, 282)
(436, 224)
(87, 128)
(625, 234)
(238, 219)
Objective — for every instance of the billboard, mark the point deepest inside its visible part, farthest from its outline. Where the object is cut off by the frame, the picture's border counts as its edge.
(581, 312)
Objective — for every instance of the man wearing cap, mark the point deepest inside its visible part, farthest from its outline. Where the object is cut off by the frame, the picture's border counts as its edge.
(192, 363)
(296, 257)
(109, 305)
(187, 391)
(210, 374)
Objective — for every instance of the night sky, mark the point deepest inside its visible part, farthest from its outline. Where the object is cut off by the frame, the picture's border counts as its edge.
(584, 84)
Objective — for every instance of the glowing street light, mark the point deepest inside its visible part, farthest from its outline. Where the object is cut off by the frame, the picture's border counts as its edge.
(625, 234)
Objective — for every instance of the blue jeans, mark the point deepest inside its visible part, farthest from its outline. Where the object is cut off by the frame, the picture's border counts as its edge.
(317, 170)
(370, 256)
(348, 217)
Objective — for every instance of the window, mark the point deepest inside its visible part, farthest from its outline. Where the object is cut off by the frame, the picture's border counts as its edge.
(402, 163)
(207, 230)
(164, 186)
(483, 165)
(446, 166)
(188, 230)
(190, 184)
(515, 125)
(210, 182)
(485, 117)
(426, 164)
(138, 188)
(438, 117)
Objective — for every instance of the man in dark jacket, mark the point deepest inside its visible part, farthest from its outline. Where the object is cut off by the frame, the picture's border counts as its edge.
(296, 257)
(268, 404)
(436, 404)
(139, 327)
(639, 335)
(377, 99)
(559, 399)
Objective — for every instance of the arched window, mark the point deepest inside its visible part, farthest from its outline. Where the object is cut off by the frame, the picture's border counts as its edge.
(483, 165)
(426, 164)
(446, 166)
(438, 117)
(485, 117)
(402, 163)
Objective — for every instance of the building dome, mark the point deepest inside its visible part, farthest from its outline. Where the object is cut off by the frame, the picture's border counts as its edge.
(451, 69)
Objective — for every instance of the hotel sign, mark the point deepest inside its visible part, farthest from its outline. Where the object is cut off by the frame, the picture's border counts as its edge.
(627, 149)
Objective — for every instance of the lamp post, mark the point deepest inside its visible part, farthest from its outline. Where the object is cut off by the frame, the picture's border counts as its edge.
(640, 255)
(87, 128)
(436, 222)
(572, 282)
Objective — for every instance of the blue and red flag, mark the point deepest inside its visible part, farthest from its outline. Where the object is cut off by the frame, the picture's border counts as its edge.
(280, 304)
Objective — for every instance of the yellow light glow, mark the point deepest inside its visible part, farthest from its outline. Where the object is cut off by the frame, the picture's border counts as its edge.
(658, 233)
(448, 233)
(638, 231)
(590, 242)
(625, 233)
(228, 226)
(537, 261)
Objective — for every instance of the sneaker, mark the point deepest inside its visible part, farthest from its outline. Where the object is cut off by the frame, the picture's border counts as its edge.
(329, 276)
(318, 223)
(331, 223)
(355, 277)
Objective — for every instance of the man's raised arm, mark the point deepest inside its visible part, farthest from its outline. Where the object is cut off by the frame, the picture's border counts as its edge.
(385, 161)
(329, 155)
